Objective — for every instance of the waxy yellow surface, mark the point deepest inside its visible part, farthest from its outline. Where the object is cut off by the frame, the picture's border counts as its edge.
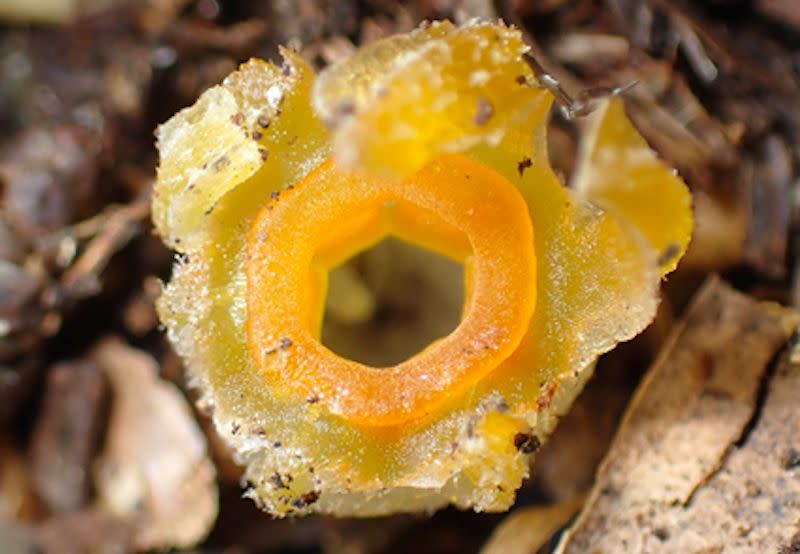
(458, 100)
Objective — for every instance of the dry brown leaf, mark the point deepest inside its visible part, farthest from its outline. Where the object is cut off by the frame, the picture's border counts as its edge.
(155, 468)
(14, 538)
(684, 474)
(91, 530)
(719, 238)
(527, 529)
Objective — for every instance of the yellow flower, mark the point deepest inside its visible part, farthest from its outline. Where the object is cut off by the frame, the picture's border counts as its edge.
(437, 137)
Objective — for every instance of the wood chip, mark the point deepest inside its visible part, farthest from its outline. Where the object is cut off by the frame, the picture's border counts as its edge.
(154, 470)
(527, 529)
(685, 472)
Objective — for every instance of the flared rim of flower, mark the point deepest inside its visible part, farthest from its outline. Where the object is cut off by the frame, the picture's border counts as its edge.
(397, 106)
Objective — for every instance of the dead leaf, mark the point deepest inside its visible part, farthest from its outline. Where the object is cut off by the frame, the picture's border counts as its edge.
(155, 468)
(91, 530)
(684, 473)
(527, 529)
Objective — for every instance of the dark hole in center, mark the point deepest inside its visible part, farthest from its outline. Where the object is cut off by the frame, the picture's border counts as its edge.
(388, 303)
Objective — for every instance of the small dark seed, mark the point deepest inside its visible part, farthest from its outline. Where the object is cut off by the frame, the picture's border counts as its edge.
(306, 500)
(263, 121)
(790, 459)
(220, 163)
(278, 481)
(661, 534)
(526, 443)
(344, 108)
(669, 254)
(523, 164)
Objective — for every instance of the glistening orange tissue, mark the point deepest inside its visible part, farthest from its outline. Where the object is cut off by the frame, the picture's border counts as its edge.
(452, 205)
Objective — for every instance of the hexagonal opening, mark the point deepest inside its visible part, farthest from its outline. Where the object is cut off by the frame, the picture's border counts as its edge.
(391, 301)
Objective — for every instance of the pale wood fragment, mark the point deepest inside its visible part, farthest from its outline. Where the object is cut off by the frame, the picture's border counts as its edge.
(687, 472)
(529, 528)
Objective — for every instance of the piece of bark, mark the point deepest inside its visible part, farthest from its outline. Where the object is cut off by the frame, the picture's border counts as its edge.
(154, 470)
(685, 474)
(66, 434)
(771, 188)
(93, 529)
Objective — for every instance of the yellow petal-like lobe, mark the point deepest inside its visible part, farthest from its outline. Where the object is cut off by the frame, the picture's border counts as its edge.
(619, 172)
(353, 84)
(440, 89)
(215, 145)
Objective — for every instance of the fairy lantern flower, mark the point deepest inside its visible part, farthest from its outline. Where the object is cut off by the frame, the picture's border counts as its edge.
(437, 137)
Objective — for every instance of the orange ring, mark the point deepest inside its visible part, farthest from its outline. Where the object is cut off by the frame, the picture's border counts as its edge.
(454, 206)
